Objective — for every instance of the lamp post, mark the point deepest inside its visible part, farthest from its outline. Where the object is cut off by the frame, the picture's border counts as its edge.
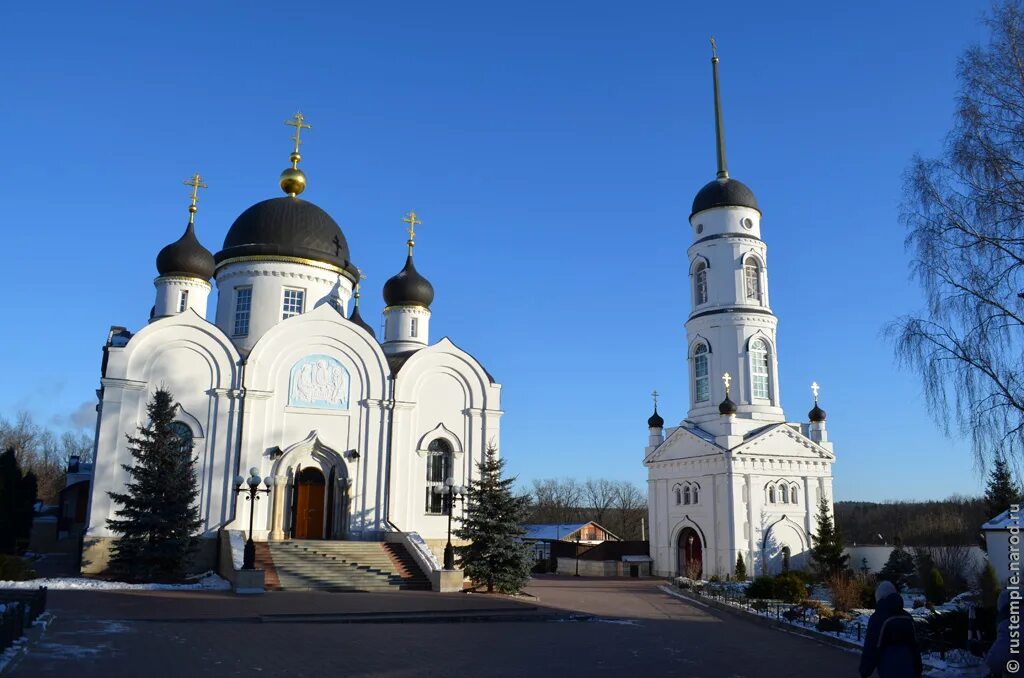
(251, 488)
(449, 493)
(577, 554)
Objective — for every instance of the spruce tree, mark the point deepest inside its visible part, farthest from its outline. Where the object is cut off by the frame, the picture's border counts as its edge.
(17, 503)
(496, 555)
(1001, 490)
(158, 519)
(899, 568)
(741, 568)
(827, 552)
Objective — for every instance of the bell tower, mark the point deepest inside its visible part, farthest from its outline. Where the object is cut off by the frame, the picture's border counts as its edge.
(731, 328)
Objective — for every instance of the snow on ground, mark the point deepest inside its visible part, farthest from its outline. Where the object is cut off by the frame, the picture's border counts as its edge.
(237, 541)
(209, 582)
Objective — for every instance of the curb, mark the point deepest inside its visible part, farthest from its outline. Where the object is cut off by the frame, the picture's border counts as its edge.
(765, 621)
(19, 649)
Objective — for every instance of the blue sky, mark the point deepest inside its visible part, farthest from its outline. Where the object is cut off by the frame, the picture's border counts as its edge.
(552, 150)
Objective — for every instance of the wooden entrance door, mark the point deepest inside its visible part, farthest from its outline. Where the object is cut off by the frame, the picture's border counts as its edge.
(309, 506)
(691, 554)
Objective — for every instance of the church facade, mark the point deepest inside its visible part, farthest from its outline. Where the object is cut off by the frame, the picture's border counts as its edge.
(734, 477)
(354, 430)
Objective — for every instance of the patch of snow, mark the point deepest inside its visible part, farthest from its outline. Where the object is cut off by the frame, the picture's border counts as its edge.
(209, 582)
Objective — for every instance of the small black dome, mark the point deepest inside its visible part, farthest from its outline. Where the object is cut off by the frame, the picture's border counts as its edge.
(185, 256)
(358, 320)
(725, 192)
(816, 414)
(727, 406)
(288, 227)
(408, 288)
(655, 421)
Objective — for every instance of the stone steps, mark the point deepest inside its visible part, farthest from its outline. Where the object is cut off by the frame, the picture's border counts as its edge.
(344, 566)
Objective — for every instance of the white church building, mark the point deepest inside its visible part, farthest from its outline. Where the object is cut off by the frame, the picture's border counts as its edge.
(734, 477)
(354, 430)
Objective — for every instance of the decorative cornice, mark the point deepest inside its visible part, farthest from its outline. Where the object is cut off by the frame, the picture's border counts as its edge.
(174, 279)
(717, 236)
(258, 258)
(126, 384)
(257, 395)
(732, 309)
(409, 308)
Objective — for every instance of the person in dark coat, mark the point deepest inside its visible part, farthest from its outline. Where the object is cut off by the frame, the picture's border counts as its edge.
(999, 654)
(890, 645)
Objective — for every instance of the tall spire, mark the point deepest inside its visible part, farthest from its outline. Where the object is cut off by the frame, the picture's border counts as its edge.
(723, 169)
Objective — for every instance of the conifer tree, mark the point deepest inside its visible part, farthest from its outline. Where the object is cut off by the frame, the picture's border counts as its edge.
(17, 503)
(1001, 490)
(899, 568)
(741, 568)
(158, 519)
(496, 555)
(827, 552)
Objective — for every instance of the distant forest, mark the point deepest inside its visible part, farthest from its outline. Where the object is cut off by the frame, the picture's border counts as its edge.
(945, 522)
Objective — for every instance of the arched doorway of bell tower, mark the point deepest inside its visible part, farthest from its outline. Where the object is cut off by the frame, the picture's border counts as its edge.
(690, 554)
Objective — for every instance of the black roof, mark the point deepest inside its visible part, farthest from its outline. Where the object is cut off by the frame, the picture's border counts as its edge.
(185, 256)
(358, 320)
(727, 406)
(655, 420)
(408, 288)
(290, 227)
(816, 414)
(724, 192)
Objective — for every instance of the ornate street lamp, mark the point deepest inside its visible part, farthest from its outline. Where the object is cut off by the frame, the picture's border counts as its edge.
(251, 488)
(578, 554)
(450, 492)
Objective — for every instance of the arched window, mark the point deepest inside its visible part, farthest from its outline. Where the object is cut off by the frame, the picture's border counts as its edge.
(752, 278)
(793, 496)
(700, 283)
(439, 469)
(184, 435)
(771, 494)
(759, 368)
(679, 495)
(696, 493)
(784, 494)
(701, 381)
(686, 494)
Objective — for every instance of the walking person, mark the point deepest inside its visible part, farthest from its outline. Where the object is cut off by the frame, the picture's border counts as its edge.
(890, 646)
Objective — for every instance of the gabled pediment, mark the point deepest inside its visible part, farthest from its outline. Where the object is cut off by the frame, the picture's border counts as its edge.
(782, 440)
(684, 443)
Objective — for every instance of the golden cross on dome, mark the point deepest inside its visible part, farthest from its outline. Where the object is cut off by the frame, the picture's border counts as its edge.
(413, 222)
(654, 394)
(196, 182)
(726, 379)
(814, 390)
(298, 122)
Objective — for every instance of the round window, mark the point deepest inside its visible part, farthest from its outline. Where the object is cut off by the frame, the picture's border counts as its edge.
(747, 222)
(700, 228)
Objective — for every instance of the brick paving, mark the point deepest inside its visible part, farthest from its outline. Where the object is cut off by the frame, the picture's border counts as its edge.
(640, 631)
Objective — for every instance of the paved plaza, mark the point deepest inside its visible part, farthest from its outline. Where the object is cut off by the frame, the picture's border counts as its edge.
(577, 627)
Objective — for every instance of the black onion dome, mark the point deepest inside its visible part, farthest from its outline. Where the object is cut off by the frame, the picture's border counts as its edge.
(727, 406)
(358, 320)
(408, 288)
(816, 414)
(726, 192)
(185, 256)
(655, 421)
(288, 227)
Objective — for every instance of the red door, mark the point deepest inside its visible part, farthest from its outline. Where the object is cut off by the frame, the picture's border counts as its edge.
(309, 519)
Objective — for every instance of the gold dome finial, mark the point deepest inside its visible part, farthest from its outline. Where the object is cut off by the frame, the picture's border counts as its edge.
(293, 180)
(196, 182)
(413, 222)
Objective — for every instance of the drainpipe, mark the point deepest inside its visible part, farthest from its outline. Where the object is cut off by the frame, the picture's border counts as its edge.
(387, 458)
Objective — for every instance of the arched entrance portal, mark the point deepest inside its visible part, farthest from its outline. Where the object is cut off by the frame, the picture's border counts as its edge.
(311, 488)
(691, 554)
